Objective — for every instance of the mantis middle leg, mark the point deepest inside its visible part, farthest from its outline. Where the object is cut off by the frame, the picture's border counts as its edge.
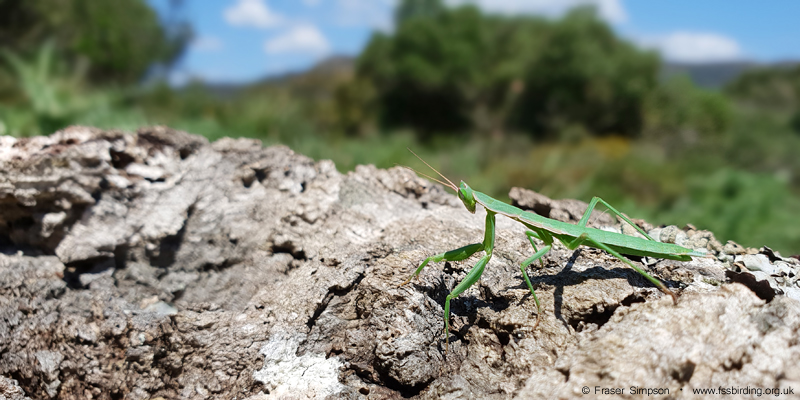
(536, 256)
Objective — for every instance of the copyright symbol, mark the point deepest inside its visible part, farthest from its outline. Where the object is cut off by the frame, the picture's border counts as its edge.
(585, 390)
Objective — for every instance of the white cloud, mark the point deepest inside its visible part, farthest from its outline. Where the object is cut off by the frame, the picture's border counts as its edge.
(299, 39)
(207, 43)
(252, 13)
(684, 46)
(373, 13)
(610, 10)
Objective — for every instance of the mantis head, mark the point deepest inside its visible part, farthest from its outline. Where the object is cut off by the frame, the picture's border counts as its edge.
(465, 194)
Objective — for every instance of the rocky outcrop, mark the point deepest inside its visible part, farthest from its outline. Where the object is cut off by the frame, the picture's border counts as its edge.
(157, 264)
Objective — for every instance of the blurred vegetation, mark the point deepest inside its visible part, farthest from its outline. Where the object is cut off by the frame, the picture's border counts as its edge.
(564, 107)
(772, 89)
(457, 70)
(116, 42)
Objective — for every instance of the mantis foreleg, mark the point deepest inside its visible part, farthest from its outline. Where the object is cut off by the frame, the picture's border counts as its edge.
(459, 254)
(613, 210)
(473, 275)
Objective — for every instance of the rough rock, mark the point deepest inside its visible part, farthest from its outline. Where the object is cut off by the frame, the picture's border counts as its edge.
(158, 265)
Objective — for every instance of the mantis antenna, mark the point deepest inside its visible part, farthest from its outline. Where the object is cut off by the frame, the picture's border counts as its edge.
(451, 184)
(429, 177)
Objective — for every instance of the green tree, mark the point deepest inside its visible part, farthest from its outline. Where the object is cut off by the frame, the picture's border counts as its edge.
(771, 88)
(417, 9)
(118, 41)
(679, 115)
(421, 71)
(584, 75)
(448, 69)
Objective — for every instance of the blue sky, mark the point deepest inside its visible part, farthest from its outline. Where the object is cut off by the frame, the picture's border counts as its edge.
(239, 41)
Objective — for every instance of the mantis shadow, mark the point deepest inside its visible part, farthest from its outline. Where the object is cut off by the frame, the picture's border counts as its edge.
(567, 277)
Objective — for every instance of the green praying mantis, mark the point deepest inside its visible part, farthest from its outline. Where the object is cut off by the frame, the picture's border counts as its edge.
(546, 230)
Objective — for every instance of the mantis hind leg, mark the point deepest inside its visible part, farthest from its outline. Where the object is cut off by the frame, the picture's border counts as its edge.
(613, 210)
(591, 242)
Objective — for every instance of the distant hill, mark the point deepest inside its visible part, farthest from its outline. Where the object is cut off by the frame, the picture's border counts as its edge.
(716, 75)
(320, 79)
